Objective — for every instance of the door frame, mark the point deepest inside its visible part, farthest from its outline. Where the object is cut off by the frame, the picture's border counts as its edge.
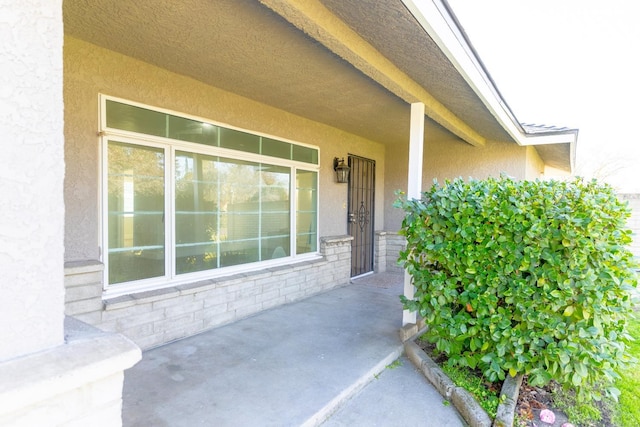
(353, 218)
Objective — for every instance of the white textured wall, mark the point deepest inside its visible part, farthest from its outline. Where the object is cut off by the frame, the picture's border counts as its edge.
(31, 177)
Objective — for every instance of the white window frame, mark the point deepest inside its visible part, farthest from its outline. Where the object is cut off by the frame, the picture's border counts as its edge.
(170, 146)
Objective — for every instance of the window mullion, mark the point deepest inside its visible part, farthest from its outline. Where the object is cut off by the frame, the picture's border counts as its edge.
(219, 215)
(169, 208)
(141, 253)
(260, 237)
(105, 211)
(293, 235)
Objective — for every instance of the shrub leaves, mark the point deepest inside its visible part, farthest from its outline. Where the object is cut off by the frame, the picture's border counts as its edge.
(524, 277)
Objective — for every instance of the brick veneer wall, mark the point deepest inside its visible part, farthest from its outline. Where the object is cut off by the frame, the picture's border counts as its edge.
(156, 317)
(380, 252)
(388, 245)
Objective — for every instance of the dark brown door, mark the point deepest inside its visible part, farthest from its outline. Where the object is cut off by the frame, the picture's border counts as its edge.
(360, 216)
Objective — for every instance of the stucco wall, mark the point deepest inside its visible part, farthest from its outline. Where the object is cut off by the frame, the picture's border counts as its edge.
(534, 164)
(452, 158)
(31, 177)
(447, 157)
(90, 70)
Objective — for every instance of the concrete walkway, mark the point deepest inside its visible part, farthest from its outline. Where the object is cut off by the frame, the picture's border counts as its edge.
(322, 359)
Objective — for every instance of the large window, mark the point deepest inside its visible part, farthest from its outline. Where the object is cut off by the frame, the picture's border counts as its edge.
(188, 197)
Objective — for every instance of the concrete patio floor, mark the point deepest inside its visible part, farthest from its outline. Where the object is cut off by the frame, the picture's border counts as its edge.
(319, 360)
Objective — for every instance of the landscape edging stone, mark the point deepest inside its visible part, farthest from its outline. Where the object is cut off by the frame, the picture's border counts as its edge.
(466, 405)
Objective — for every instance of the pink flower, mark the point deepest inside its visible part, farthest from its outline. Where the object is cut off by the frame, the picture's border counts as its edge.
(546, 416)
(568, 425)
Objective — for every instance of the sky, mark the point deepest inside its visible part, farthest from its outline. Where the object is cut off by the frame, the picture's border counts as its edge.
(573, 63)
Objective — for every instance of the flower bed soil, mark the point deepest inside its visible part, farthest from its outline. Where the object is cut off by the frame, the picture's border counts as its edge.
(531, 400)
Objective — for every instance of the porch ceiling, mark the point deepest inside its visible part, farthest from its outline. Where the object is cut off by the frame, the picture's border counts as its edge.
(244, 47)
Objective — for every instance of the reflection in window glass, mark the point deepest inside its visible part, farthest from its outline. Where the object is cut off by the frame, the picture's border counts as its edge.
(229, 212)
(239, 213)
(136, 119)
(222, 211)
(192, 131)
(275, 148)
(275, 212)
(196, 216)
(305, 154)
(150, 122)
(306, 211)
(237, 140)
(135, 212)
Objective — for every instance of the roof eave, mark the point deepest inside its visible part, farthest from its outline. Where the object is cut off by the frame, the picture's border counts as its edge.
(550, 144)
(439, 21)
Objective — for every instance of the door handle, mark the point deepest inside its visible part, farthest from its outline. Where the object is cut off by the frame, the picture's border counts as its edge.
(351, 217)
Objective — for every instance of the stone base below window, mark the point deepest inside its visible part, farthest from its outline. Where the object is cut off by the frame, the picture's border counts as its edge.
(160, 316)
(388, 245)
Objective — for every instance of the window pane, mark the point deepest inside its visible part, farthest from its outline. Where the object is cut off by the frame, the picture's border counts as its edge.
(150, 122)
(305, 154)
(224, 211)
(275, 247)
(239, 211)
(136, 212)
(136, 119)
(196, 220)
(238, 252)
(192, 131)
(275, 148)
(306, 211)
(276, 215)
(237, 140)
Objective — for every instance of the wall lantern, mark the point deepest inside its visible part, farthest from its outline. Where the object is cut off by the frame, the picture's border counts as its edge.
(342, 170)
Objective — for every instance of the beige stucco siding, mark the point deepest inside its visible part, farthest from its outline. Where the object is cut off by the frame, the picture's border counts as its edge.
(450, 159)
(447, 157)
(534, 164)
(90, 70)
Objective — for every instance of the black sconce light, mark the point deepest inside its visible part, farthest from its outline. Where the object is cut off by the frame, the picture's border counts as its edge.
(342, 170)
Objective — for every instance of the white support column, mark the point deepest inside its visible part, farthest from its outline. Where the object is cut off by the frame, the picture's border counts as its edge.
(31, 178)
(52, 371)
(414, 186)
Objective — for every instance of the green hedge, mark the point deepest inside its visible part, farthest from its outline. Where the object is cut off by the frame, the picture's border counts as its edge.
(523, 277)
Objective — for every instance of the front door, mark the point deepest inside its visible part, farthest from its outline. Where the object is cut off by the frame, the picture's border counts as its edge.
(360, 213)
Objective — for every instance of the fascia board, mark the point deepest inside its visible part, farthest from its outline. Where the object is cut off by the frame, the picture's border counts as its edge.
(435, 17)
